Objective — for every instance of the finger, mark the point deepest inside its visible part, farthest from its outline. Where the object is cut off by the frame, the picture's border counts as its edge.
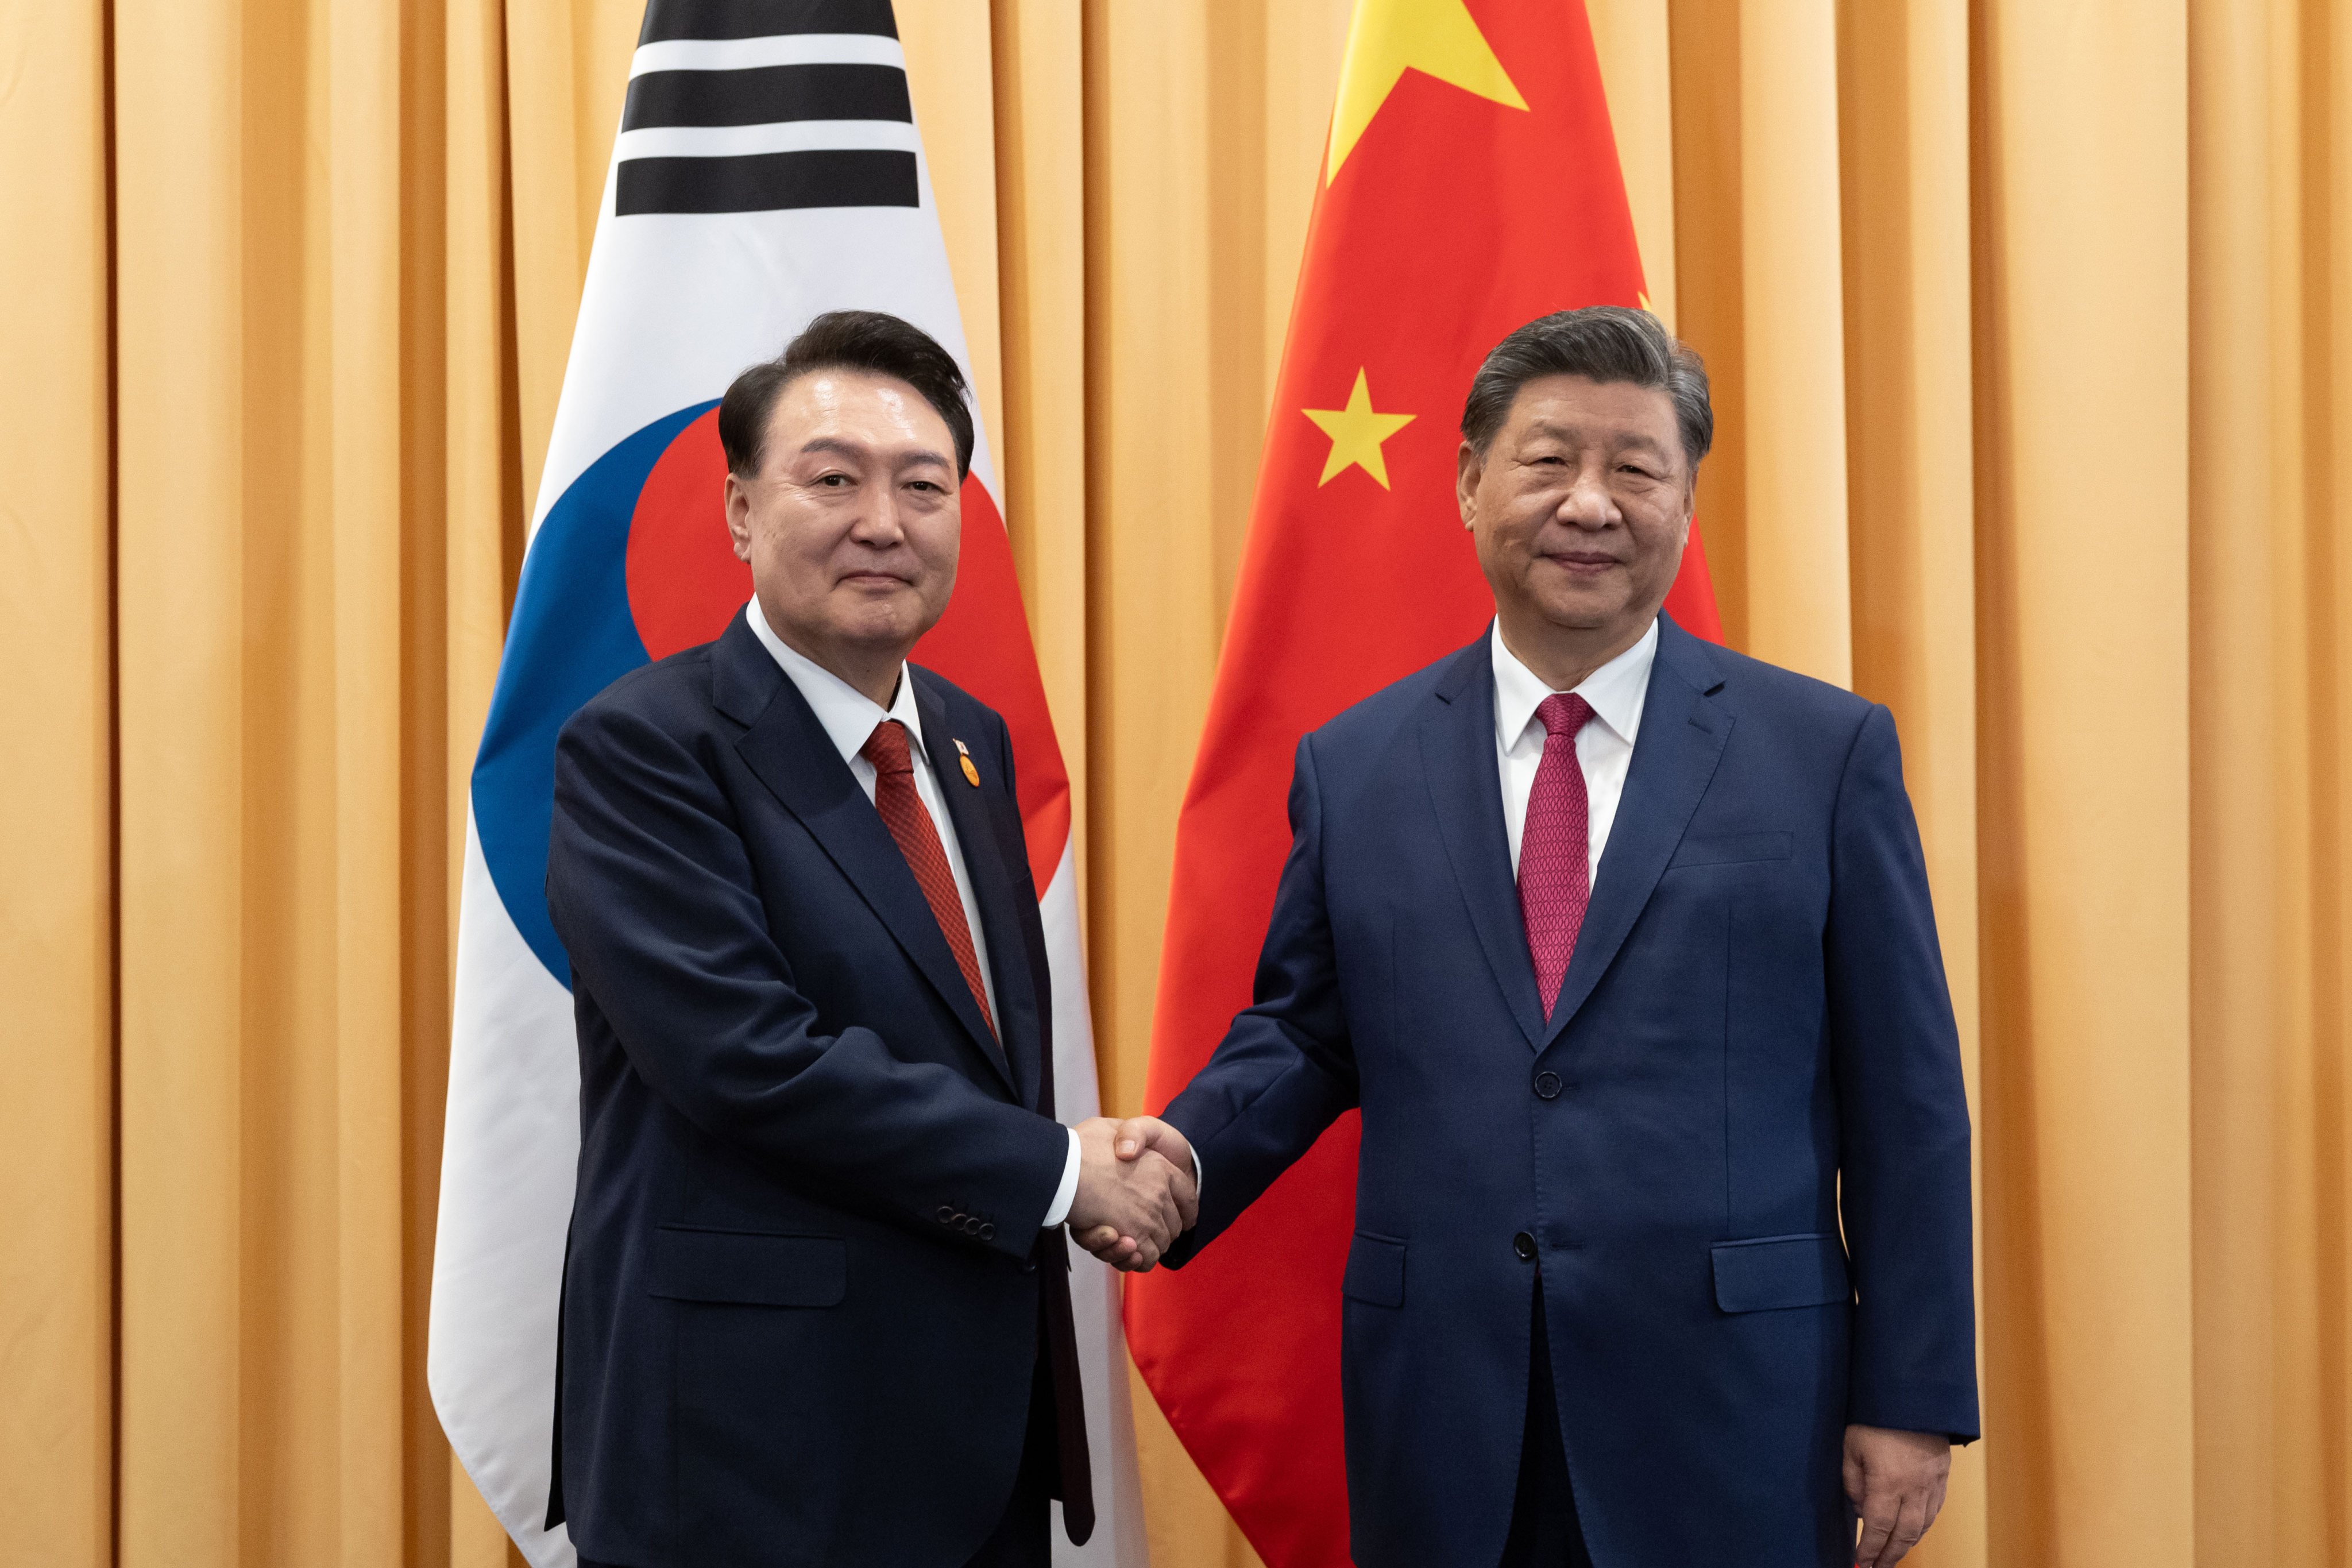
(1116, 1253)
(1910, 1524)
(1187, 1193)
(1171, 1211)
(1116, 1250)
(1133, 1137)
(1098, 1239)
(1879, 1515)
(1160, 1226)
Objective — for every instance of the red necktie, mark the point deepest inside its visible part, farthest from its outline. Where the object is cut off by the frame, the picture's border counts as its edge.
(918, 840)
(1555, 868)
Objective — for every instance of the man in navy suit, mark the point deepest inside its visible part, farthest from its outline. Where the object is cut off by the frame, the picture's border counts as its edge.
(1621, 943)
(816, 1305)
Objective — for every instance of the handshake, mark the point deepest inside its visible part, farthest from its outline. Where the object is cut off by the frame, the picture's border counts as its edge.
(1137, 1190)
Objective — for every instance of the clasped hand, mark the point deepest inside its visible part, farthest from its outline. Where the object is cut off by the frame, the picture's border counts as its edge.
(1136, 1192)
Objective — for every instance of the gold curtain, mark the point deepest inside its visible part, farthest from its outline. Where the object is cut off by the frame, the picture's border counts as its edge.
(2032, 331)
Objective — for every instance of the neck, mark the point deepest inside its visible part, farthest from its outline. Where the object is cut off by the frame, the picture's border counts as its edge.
(872, 672)
(1564, 657)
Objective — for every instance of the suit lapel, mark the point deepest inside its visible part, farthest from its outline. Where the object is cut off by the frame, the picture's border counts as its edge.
(790, 753)
(1682, 738)
(1466, 789)
(992, 889)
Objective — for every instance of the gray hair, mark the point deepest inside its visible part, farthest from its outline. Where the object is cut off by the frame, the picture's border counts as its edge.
(1603, 343)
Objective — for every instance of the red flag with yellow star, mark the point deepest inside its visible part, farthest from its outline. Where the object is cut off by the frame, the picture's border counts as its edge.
(1470, 184)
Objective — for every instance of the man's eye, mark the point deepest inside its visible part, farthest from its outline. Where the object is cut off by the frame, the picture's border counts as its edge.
(836, 480)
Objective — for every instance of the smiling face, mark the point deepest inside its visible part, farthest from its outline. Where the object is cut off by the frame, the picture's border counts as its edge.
(852, 522)
(1580, 507)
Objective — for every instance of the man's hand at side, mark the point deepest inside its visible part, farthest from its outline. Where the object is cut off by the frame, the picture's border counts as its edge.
(1128, 1209)
(1896, 1482)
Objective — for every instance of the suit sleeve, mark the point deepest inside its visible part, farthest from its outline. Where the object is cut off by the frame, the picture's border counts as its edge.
(1903, 1111)
(652, 894)
(1286, 1069)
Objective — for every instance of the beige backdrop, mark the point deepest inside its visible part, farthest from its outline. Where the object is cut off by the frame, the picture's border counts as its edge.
(2031, 328)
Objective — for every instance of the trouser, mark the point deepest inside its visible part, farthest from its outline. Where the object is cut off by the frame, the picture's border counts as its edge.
(1544, 1531)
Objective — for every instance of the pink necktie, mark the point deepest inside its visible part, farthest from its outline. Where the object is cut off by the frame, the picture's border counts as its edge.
(1555, 870)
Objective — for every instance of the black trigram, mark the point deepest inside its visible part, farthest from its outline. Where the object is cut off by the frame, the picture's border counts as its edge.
(767, 95)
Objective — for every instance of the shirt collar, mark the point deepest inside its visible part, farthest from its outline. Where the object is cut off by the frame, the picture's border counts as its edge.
(847, 714)
(1617, 690)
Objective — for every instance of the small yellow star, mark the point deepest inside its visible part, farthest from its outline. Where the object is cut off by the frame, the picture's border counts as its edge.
(1389, 37)
(1357, 433)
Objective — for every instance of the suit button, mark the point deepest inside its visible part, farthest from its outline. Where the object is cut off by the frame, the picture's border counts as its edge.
(970, 1225)
(1547, 1086)
(1525, 1246)
(987, 1231)
(948, 1215)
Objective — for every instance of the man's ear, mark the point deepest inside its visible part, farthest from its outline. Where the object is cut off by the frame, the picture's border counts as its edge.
(739, 516)
(1469, 468)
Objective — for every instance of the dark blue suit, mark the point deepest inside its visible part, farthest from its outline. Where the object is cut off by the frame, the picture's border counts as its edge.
(806, 1291)
(1755, 1009)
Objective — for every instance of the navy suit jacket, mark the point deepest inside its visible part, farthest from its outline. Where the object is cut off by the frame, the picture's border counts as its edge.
(1755, 1012)
(802, 1300)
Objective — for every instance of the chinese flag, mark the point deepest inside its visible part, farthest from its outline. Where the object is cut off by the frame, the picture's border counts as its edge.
(1470, 184)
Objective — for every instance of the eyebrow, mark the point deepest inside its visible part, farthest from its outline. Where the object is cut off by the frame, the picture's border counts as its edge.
(851, 449)
(1576, 433)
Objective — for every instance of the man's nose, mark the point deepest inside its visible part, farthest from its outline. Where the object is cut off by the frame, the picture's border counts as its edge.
(877, 520)
(1588, 503)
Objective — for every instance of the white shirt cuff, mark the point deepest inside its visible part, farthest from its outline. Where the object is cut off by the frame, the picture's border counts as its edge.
(1068, 1193)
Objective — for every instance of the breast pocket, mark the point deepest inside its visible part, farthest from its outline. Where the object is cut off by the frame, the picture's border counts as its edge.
(1732, 850)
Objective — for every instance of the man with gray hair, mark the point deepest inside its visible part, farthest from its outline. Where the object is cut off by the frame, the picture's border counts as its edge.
(1621, 943)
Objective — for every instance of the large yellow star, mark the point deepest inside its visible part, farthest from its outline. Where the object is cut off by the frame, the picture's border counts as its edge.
(1435, 36)
(1356, 434)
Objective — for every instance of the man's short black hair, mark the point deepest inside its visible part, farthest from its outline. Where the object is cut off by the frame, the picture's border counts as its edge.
(845, 339)
(1600, 342)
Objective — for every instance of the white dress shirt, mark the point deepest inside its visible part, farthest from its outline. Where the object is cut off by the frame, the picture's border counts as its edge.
(1604, 747)
(848, 717)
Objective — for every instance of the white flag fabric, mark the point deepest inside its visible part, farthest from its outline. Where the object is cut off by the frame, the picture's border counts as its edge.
(767, 169)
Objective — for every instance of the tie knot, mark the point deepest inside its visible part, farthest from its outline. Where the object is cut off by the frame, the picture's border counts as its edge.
(887, 749)
(1563, 714)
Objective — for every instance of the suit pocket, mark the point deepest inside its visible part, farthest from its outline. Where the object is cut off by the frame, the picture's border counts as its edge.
(1732, 850)
(1375, 1271)
(1778, 1271)
(750, 1268)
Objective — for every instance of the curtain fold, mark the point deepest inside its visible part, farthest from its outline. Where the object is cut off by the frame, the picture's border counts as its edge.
(2031, 329)
(57, 795)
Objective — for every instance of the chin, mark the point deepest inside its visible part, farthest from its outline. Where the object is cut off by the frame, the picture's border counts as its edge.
(1581, 611)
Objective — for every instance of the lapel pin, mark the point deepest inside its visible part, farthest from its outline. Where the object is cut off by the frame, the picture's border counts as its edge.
(970, 773)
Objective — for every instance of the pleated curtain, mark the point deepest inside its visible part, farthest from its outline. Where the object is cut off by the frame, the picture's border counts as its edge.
(2031, 324)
